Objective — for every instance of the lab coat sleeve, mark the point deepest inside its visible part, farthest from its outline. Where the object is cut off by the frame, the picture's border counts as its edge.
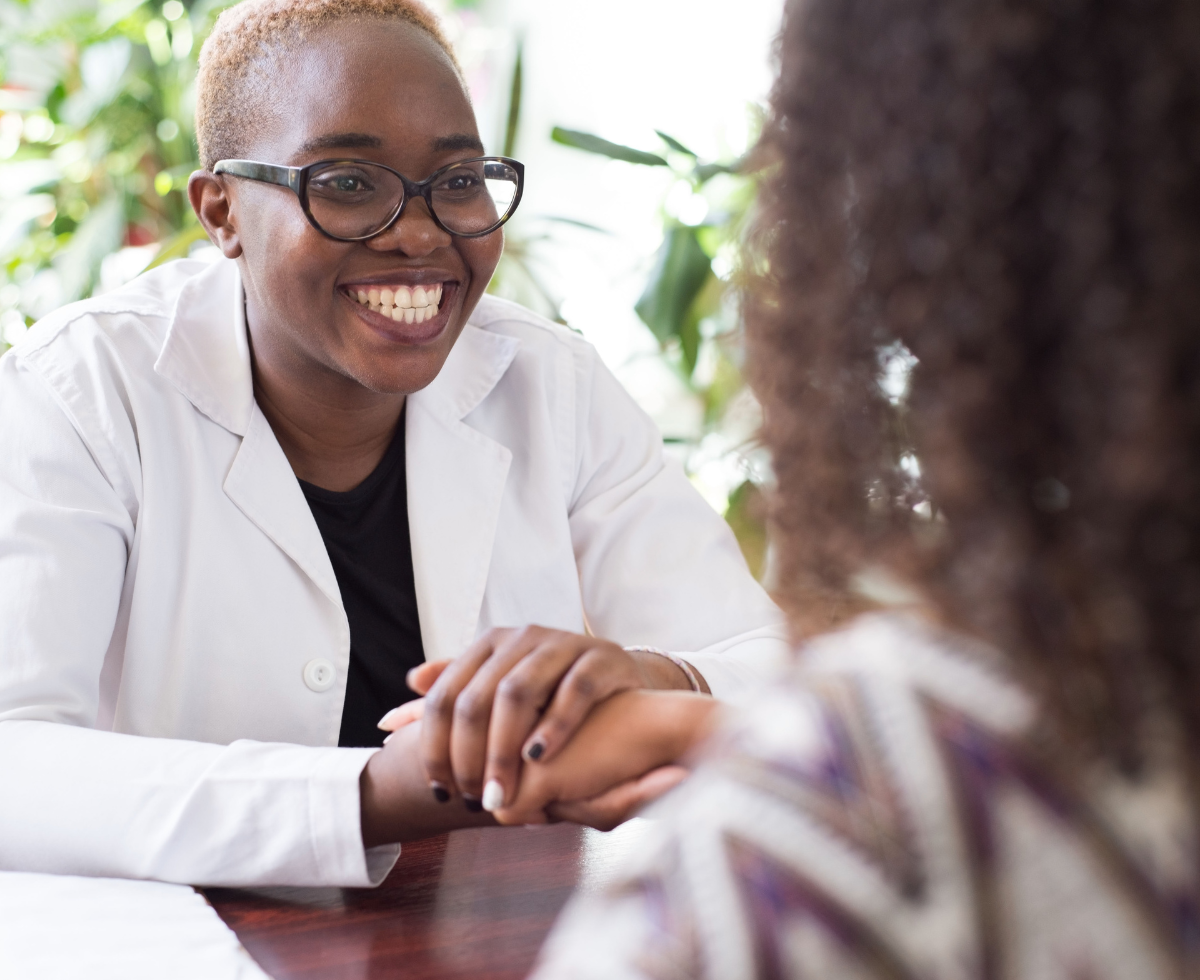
(658, 567)
(77, 800)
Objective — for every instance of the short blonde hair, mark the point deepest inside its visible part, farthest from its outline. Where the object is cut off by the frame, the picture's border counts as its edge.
(236, 61)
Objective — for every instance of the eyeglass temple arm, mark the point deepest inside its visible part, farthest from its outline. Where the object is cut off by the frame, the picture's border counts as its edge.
(268, 172)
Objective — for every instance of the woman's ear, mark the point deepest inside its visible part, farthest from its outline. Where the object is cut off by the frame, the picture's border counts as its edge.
(211, 202)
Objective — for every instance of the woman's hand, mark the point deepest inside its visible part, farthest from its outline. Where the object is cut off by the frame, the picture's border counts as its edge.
(600, 771)
(391, 811)
(518, 693)
(615, 806)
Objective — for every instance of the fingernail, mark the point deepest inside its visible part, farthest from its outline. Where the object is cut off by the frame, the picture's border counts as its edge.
(440, 793)
(389, 738)
(387, 720)
(493, 796)
(534, 752)
(472, 804)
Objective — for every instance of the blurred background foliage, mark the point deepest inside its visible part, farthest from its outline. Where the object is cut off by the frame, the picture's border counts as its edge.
(689, 303)
(96, 145)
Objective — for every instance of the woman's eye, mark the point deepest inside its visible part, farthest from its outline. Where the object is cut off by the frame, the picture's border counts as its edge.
(342, 184)
(458, 183)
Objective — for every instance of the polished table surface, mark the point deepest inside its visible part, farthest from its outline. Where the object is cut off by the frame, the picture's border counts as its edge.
(474, 903)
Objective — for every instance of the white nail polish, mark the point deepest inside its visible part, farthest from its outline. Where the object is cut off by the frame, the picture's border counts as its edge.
(389, 720)
(493, 796)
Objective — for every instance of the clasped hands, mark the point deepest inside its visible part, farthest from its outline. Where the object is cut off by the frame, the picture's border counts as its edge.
(539, 725)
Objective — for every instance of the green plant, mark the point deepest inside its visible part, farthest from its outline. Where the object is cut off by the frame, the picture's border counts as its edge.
(689, 304)
(96, 141)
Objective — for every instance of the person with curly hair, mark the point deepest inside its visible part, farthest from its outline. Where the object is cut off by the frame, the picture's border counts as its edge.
(977, 343)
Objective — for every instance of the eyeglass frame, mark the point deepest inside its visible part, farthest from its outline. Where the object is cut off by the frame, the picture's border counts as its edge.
(296, 180)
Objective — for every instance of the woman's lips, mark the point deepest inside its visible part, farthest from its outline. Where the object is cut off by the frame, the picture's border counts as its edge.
(402, 313)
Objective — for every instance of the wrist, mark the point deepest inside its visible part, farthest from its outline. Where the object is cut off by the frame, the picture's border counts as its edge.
(684, 720)
(395, 802)
(665, 671)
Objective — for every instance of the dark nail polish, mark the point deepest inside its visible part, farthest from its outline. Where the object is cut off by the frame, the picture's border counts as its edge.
(472, 804)
(440, 793)
(535, 751)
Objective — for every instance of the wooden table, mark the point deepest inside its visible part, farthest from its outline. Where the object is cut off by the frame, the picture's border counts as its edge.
(474, 903)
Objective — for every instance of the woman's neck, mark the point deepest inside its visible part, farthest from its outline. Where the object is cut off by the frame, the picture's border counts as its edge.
(333, 430)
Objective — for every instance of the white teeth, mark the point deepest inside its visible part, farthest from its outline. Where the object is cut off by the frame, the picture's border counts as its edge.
(403, 304)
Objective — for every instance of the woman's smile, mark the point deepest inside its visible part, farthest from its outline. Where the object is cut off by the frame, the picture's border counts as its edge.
(405, 313)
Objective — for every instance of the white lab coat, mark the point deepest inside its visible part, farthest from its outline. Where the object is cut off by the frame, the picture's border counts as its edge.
(173, 647)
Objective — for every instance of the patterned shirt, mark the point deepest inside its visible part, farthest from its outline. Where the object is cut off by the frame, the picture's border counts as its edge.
(880, 816)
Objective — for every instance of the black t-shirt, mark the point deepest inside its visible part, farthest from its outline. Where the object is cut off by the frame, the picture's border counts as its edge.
(366, 535)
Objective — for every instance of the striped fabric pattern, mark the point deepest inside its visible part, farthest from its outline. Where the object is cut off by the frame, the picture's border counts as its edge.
(879, 816)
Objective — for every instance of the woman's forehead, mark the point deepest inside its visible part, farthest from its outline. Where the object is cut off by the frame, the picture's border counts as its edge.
(387, 83)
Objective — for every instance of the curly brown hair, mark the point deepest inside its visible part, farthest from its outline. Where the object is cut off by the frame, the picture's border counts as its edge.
(1006, 190)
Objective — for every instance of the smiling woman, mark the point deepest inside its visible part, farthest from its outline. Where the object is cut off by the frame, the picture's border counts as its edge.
(340, 95)
(251, 504)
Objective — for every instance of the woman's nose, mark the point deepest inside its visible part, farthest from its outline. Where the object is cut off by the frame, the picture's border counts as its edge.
(415, 233)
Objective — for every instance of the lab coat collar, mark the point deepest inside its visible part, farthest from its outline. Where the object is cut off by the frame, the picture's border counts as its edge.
(206, 354)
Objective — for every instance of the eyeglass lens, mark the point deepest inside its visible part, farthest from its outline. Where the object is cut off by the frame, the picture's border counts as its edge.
(354, 200)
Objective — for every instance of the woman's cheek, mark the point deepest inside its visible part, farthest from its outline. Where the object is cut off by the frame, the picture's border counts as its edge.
(482, 255)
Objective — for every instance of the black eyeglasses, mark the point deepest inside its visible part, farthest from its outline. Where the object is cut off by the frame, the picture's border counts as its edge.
(353, 200)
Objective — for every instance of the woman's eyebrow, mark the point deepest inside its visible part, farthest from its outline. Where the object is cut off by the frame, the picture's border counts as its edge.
(459, 141)
(337, 141)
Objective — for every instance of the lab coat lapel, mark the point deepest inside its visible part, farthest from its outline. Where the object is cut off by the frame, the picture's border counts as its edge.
(456, 478)
(263, 486)
(206, 355)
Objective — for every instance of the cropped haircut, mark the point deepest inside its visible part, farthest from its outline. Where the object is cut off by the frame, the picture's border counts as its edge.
(239, 59)
(1007, 191)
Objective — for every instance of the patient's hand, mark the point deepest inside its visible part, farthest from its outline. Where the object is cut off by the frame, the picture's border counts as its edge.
(630, 735)
(516, 693)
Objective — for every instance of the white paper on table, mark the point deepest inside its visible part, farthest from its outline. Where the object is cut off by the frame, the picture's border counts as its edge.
(61, 926)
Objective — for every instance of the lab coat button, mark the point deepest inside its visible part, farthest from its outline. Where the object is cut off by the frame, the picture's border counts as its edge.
(319, 675)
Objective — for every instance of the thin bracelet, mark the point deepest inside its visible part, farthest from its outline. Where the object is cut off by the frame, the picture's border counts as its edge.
(688, 670)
